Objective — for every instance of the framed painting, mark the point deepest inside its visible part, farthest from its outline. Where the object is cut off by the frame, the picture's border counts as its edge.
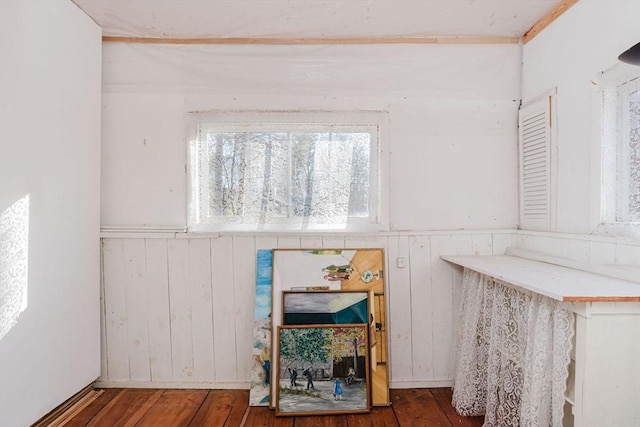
(336, 270)
(325, 307)
(322, 370)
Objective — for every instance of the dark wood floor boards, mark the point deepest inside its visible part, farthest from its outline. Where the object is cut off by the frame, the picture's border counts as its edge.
(88, 413)
(417, 408)
(228, 408)
(126, 408)
(224, 408)
(175, 408)
(261, 416)
(443, 396)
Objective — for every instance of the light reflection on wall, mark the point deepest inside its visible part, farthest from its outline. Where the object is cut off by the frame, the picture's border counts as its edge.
(14, 263)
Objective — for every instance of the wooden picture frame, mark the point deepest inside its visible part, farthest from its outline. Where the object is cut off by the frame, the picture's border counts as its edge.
(338, 270)
(325, 307)
(322, 370)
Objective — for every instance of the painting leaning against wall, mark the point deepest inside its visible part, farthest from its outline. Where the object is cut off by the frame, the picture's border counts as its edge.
(322, 369)
(336, 270)
(259, 394)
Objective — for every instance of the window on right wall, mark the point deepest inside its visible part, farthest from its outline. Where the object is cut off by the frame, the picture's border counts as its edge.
(620, 136)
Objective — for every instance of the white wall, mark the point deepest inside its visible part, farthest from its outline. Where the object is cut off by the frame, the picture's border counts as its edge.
(568, 55)
(49, 151)
(452, 161)
(452, 116)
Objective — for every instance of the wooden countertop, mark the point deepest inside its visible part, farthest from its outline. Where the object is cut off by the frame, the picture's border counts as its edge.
(554, 281)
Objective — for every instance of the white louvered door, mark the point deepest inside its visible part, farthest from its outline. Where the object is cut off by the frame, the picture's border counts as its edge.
(535, 165)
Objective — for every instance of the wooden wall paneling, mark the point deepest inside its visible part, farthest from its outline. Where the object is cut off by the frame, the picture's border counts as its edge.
(333, 242)
(244, 273)
(137, 316)
(157, 285)
(223, 306)
(311, 242)
(266, 242)
(368, 242)
(104, 367)
(288, 242)
(180, 310)
(576, 249)
(482, 244)
(399, 310)
(501, 241)
(602, 253)
(627, 254)
(461, 244)
(524, 241)
(443, 310)
(115, 303)
(200, 289)
(549, 245)
(422, 345)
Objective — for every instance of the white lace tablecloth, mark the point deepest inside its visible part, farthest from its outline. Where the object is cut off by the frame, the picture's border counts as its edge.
(513, 354)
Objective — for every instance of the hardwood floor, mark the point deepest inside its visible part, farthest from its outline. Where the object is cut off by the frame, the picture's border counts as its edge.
(228, 408)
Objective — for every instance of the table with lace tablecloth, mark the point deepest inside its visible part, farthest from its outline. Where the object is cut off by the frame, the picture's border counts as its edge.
(545, 345)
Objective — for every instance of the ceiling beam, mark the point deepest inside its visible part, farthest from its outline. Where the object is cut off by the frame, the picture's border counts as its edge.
(546, 20)
(313, 40)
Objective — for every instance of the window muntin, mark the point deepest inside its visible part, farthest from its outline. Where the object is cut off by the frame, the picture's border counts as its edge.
(284, 176)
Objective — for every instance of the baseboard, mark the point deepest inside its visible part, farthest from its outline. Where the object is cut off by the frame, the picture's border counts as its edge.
(68, 409)
(421, 384)
(232, 385)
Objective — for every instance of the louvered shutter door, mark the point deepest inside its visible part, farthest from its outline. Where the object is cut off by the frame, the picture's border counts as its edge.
(535, 165)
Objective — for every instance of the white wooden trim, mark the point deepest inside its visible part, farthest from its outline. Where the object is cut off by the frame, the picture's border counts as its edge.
(421, 384)
(586, 237)
(313, 40)
(553, 281)
(623, 272)
(232, 385)
(179, 233)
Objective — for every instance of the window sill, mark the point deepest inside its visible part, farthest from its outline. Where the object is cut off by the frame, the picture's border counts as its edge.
(630, 231)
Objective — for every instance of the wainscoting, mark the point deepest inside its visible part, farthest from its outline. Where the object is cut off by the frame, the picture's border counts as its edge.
(178, 308)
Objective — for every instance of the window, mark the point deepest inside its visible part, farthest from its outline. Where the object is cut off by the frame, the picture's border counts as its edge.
(285, 171)
(621, 147)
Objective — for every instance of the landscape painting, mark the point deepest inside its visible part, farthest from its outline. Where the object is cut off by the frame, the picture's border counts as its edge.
(325, 308)
(322, 370)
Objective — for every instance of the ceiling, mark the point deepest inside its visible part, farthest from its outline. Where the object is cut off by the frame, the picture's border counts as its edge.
(315, 18)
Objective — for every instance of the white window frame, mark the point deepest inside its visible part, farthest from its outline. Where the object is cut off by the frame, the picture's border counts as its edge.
(253, 120)
(613, 86)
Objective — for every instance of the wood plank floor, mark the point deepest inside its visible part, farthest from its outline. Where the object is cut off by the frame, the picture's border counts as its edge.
(228, 408)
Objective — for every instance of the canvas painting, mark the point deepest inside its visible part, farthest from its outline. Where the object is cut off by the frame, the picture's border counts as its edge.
(322, 370)
(325, 308)
(260, 389)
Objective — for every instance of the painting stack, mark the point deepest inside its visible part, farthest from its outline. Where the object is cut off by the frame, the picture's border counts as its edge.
(320, 342)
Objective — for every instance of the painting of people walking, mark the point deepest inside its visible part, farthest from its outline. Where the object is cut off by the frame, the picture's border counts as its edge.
(322, 369)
